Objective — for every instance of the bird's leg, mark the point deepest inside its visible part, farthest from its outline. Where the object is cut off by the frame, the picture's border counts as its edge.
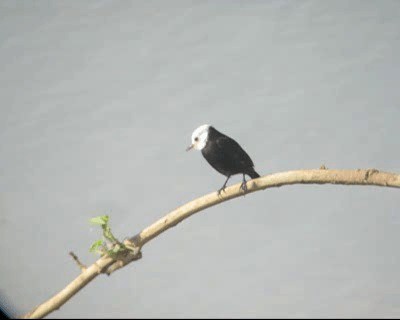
(243, 186)
(223, 187)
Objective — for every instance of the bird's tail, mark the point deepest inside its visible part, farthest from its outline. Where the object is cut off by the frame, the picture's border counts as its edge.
(252, 173)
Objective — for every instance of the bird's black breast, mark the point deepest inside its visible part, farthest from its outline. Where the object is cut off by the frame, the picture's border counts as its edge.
(225, 155)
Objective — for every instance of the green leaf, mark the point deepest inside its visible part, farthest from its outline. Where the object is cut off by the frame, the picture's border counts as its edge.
(101, 220)
(109, 240)
(96, 245)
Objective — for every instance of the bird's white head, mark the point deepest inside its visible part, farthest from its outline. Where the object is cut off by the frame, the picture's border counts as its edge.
(199, 137)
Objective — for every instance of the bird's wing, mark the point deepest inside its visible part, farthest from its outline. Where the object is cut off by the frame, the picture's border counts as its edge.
(233, 151)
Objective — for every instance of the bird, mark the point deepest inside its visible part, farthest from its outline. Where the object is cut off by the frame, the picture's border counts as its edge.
(223, 153)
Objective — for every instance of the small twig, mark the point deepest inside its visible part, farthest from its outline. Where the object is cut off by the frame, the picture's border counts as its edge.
(76, 259)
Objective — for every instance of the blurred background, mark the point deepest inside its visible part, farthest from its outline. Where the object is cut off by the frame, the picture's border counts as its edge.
(98, 101)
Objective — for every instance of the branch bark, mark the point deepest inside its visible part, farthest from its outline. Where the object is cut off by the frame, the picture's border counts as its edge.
(107, 264)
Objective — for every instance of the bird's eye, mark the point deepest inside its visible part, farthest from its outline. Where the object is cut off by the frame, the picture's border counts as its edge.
(196, 139)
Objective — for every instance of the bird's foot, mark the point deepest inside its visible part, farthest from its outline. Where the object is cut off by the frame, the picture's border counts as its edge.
(243, 186)
(220, 190)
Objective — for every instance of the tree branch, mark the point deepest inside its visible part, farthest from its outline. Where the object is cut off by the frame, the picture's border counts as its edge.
(108, 264)
(322, 176)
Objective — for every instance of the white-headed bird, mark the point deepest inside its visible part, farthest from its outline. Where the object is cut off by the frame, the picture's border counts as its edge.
(223, 153)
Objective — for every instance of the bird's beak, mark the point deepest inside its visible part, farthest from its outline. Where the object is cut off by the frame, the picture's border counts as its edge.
(190, 147)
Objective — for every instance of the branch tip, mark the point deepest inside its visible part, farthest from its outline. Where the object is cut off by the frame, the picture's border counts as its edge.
(76, 259)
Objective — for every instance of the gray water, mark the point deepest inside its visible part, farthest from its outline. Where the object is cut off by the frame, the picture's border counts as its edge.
(97, 104)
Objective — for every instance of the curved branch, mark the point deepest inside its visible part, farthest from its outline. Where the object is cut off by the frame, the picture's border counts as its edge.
(108, 264)
(321, 176)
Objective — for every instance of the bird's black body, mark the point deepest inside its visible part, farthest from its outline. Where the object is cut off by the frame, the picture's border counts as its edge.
(227, 157)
